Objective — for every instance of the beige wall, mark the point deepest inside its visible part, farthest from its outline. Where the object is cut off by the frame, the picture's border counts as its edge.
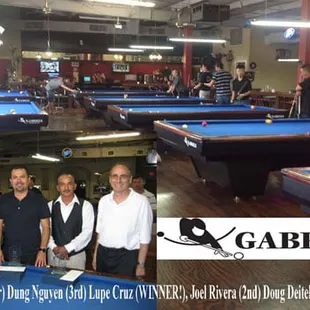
(46, 174)
(240, 52)
(278, 75)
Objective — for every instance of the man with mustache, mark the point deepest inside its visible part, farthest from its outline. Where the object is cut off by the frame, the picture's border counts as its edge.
(72, 225)
(22, 211)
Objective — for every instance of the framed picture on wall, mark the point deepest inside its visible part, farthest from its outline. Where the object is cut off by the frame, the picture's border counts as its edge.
(121, 67)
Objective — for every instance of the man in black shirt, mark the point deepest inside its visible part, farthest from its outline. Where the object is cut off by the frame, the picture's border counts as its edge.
(22, 211)
(204, 77)
(241, 87)
(178, 86)
(303, 90)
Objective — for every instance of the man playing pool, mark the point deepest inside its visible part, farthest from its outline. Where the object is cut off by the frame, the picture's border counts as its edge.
(52, 86)
(303, 90)
(178, 85)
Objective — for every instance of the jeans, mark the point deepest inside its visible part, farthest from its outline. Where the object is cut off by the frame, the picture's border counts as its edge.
(204, 94)
(245, 101)
(223, 99)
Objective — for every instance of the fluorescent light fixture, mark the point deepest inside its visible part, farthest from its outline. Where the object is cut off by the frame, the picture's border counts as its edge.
(288, 60)
(109, 136)
(102, 18)
(125, 50)
(38, 56)
(118, 26)
(97, 173)
(54, 58)
(1, 30)
(196, 40)
(45, 158)
(282, 23)
(127, 2)
(152, 47)
(1, 42)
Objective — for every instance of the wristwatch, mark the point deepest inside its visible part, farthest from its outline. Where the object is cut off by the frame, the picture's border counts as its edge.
(140, 264)
(44, 250)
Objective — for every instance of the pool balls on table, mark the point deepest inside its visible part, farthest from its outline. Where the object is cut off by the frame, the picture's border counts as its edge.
(12, 111)
(268, 121)
(184, 126)
(253, 107)
(204, 123)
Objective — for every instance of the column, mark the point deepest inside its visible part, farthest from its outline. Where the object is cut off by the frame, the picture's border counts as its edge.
(304, 41)
(188, 55)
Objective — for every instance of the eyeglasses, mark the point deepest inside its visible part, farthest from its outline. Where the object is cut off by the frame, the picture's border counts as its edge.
(122, 177)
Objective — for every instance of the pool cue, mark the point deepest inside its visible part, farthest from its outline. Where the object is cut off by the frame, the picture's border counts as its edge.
(298, 106)
(293, 106)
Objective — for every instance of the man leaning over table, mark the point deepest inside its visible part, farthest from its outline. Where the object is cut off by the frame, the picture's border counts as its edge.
(124, 227)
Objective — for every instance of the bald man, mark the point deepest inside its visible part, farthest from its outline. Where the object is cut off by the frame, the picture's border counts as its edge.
(124, 227)
(177, 87)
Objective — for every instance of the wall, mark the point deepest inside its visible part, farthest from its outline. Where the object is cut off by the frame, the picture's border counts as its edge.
(31, 68)
(240, 52)
(278, 75)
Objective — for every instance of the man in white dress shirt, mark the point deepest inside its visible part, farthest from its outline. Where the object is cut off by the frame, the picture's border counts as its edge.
(72, 224)
(124, 226)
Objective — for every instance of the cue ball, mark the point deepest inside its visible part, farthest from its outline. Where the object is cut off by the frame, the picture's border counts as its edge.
(253, 107)
(130, 110)
(125, 96)
(178, 97)
(184, 126)
(12, 111)
(268, 121)
(9, 91)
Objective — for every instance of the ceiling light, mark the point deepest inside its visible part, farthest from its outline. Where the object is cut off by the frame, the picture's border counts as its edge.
(97, 173)
(45, 158)
(1, 30)
(1, 42)
(118, 26)
(283, 23)
(125, 50)
(288, 60)
(49, 53)
(118, 57)
(102, 18)
(155, 56)
(152, 47)
(196, 40)
(38, 56)
(109, 136)
(126, 2)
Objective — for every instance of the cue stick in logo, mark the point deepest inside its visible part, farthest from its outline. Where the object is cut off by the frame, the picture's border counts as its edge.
(193, 232)
(67, 152)
(190, 143)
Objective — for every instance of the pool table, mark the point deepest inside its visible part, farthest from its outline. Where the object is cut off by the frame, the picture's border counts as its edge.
(88, 292)
(143, 115)
(6, 95)
(240, 153)
(99, 103)
(121, 93)
(27, 115)
(296, 184)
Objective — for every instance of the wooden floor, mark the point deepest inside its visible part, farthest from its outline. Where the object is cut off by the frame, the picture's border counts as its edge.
(182, 194)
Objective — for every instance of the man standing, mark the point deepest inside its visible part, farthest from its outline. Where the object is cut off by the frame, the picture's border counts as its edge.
(303, 90)
(138, 186)
(177, 85)
(31, 185)
(221, 79)
(52, 86)
(22, 211)
(205, 77)
(242, 87)
(124, 226)
(72, 225)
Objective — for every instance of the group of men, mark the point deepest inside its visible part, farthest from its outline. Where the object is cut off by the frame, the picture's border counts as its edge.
(226, 92)
(59, 231)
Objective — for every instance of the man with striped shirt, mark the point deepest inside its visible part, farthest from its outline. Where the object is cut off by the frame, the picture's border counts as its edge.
(221, 79)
